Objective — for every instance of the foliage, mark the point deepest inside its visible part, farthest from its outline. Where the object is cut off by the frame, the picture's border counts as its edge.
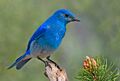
(99, 70)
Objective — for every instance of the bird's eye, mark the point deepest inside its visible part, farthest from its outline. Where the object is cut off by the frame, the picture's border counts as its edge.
(66, 15)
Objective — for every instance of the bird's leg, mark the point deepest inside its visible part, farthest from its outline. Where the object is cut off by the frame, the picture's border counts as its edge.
(48, 58)
(45, 62)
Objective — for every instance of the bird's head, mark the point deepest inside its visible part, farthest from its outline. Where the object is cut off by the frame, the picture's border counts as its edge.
(65, 16)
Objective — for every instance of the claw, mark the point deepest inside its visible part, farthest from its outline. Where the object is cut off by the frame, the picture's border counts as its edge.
(54, 63)
(46, 63)
(57, 65)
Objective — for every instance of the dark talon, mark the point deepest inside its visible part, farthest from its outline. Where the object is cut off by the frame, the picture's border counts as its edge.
(49, 65)
(48, 58)
(45, 62)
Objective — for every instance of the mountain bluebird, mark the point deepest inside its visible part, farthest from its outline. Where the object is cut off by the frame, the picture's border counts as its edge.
(46, 38)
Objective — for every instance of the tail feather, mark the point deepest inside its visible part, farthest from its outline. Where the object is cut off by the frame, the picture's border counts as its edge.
(22, 63)
(12, 65)
(17, 61)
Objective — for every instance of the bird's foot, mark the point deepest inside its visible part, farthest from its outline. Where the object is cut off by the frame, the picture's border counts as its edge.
(54, 63)
(45, 62)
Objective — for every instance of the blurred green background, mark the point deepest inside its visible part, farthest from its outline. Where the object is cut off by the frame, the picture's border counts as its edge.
(98, 33)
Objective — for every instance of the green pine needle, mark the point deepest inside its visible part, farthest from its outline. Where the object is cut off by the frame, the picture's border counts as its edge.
(104, 72)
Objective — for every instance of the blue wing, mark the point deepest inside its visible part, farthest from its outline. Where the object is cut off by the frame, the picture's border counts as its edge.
(38, 33)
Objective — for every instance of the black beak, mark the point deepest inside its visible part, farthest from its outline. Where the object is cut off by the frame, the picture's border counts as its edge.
(77, 20)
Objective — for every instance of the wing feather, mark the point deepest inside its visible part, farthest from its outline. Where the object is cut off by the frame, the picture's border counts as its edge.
(38, 33)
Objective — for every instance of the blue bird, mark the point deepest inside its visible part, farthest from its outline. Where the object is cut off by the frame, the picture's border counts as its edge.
(46, 38)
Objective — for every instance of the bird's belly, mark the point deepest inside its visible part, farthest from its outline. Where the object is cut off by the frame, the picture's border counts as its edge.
(41, 54)
(41, 50)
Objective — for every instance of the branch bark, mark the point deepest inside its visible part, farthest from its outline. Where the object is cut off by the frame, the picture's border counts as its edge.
(53, 73)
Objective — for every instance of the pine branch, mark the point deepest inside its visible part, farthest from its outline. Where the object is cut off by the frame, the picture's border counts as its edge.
(97, 69)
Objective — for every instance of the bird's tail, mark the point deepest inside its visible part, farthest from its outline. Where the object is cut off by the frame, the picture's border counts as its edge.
(21, 61)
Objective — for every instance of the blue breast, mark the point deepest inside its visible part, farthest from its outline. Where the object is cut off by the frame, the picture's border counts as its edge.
(52, 37)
